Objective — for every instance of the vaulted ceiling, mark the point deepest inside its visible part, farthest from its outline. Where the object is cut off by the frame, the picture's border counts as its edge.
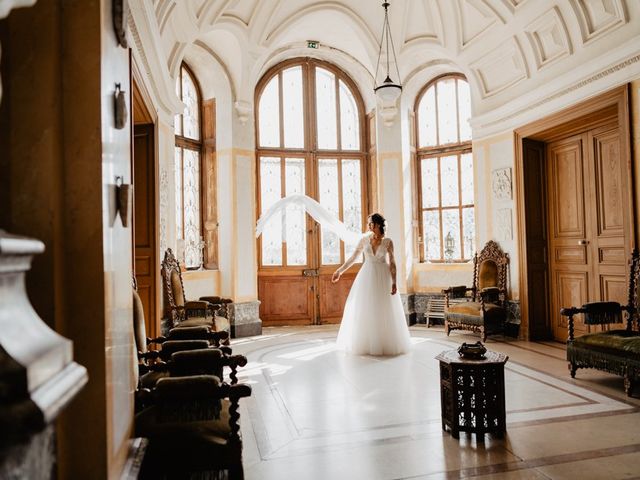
(514, 52)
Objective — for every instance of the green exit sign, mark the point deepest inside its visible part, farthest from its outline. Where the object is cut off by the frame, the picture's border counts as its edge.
(313, 44)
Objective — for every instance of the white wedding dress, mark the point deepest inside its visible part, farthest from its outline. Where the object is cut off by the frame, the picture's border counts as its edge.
(373, 322)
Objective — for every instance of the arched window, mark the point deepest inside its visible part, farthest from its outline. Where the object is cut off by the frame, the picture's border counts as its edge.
(310, 138)
(188, 162)
(445, 171)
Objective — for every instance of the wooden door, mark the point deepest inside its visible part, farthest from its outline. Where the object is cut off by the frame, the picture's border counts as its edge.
(146, 266)
(296, 256)
(588, 231)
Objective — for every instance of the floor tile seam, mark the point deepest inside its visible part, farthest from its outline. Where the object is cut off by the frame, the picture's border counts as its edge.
(532, 464)
(572, 418)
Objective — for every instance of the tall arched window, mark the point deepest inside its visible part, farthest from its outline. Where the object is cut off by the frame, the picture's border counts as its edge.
(310, 140)
(188, 153)
(445, 170)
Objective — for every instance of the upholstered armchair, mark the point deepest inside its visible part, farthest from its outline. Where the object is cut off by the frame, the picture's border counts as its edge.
(485, 311)
(615, 351)
(189, 313)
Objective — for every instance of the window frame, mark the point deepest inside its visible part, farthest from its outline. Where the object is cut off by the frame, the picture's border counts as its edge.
(438, 151)
(310, 149)
(195, 145)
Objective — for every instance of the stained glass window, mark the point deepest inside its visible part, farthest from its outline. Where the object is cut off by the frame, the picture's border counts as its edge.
(445, 164)
(187, 161)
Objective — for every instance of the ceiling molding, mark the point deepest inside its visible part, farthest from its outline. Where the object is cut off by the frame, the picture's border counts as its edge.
(497, 121)
(223, 66)
(148, 47)
(549, 38)
(597, 17)
(318, 7)
(474, 18)
(414, 22)
(513, 5)
(502, 68)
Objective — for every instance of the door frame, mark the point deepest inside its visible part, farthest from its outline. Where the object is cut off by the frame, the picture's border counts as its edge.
(142, 114)
(311, 155)
(613, 103)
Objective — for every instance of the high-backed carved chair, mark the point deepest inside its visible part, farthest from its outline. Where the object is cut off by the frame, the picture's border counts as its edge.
(183, 351)
(614, 351)
(185, 312)
(486, 311)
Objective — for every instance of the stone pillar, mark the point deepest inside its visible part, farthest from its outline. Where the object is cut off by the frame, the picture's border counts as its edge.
(38, 376)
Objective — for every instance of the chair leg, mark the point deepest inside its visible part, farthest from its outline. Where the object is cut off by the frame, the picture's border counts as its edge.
(628, 384)
(572, 369)
(483, 334)
(446, 326)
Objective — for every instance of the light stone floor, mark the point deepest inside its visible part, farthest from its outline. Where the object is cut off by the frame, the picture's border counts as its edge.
(316, 413)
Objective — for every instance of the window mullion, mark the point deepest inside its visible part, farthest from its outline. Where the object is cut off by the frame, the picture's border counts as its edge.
(440, 210)
(461, 228)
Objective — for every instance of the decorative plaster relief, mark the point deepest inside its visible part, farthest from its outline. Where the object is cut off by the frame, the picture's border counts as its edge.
(422, 22)
(596, 17)
(164, 208)
(474, 18)
(504, 227)
(501, 183)
(242, 11)
(549, 38)
(513, 4)
(500, 69)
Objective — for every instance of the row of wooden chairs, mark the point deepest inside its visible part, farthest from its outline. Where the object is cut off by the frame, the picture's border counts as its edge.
(185, 406)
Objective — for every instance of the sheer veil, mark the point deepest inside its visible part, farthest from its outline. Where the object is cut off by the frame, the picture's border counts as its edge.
(320, 214)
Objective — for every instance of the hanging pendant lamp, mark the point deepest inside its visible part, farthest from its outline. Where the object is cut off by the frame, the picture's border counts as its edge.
(388, 91)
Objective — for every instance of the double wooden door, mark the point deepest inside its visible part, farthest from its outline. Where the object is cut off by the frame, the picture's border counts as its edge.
(297, 257)
(588, 222)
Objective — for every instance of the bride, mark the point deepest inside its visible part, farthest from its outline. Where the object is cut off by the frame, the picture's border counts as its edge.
(373, 322)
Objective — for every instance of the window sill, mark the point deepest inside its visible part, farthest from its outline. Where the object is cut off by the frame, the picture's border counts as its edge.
(426, 266)
(197, 274)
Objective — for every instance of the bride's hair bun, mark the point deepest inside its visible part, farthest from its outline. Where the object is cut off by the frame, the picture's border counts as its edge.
(379, 220)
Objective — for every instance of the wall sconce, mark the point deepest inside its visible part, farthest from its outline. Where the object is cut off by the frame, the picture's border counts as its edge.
(123, 200)
(120, 107)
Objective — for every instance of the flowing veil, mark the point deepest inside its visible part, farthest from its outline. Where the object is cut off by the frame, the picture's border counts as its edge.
(320, 214)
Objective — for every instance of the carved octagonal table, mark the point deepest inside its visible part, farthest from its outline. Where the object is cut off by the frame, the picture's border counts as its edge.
(472, 394)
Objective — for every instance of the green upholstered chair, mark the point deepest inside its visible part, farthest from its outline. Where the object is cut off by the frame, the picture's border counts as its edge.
(614, 351)
(486, 311)
(189, 313)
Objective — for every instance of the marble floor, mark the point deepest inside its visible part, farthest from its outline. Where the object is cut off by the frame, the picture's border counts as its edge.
(316, 413)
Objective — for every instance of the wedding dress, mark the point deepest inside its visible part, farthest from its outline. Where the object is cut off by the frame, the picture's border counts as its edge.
(373, 322)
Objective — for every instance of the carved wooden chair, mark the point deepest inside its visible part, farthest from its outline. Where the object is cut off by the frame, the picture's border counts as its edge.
(613, 351)
(183, 312)
(187, 412)
(486, 310)
(193, 428)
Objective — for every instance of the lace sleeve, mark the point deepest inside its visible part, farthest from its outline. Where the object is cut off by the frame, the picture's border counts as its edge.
(392, 261)
(352, 259)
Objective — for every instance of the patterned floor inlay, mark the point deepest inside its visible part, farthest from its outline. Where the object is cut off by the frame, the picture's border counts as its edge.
(323, 414)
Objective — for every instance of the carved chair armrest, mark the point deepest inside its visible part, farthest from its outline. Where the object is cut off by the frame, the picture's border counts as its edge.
(196, 305)
(569, 313)
(158, 340)
(456, 292)
(149, 355)
(233, 362)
